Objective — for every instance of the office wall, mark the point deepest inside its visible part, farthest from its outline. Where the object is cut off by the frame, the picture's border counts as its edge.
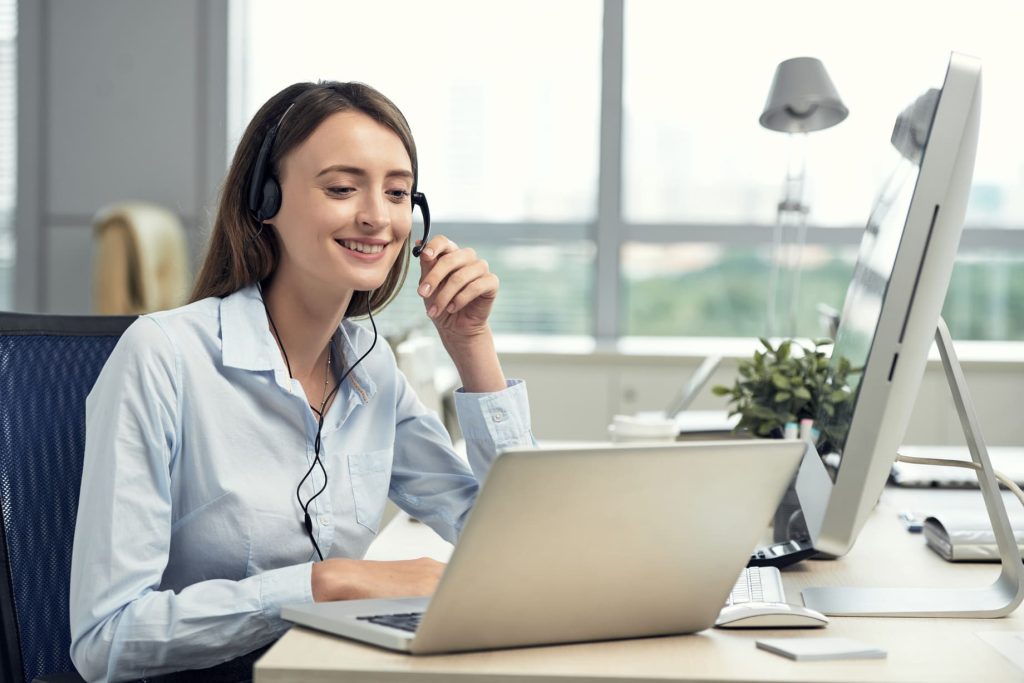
(574, 396)
(118, 100)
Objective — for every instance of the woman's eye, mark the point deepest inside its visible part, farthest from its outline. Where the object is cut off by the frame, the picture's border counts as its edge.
(341, 191)
(399, 195)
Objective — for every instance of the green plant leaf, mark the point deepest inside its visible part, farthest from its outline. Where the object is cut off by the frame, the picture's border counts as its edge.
(782, 396)
(779, 380)
(803, 393)
(719, 390)
(784, 349)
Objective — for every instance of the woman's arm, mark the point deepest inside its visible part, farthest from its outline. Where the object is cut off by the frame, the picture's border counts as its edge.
(458, 292)
(122, 624)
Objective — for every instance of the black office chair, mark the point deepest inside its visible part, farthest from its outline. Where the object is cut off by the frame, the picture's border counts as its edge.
(48, 365)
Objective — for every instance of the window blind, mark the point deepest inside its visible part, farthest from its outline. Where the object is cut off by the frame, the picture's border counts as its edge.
(8, 143)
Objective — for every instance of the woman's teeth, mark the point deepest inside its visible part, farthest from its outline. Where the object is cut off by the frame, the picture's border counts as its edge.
(362, 248)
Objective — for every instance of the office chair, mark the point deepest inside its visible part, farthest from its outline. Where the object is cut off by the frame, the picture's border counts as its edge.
(140, 259)
(48, 365)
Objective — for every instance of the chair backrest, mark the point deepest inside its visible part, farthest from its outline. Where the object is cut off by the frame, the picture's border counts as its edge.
(48, 365)
(140, 261)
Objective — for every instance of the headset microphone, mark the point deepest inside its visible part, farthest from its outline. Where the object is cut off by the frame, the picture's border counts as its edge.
(419, 199)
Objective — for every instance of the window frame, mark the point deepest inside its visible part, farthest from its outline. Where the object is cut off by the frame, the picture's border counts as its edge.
(609, 230)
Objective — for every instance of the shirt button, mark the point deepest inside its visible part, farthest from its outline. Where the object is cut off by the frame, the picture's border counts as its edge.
(324, 520)
(498, 415)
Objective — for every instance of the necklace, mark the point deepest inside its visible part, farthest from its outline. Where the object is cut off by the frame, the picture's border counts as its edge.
(327, 376)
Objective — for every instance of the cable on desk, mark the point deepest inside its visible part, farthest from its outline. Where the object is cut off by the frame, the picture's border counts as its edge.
(1003, 479)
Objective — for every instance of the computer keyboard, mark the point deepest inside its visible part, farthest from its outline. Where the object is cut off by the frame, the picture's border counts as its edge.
(757, 584)
(759, 601)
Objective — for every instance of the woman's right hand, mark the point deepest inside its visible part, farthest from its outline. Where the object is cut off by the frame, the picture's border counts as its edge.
(344, 579)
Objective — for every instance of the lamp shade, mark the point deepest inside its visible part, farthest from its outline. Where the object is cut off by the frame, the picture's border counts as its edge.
(802, 98)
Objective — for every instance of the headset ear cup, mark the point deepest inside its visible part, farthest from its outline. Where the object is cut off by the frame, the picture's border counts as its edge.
(270, 202)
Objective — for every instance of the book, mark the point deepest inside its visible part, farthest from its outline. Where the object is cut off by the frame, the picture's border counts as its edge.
(819, 649)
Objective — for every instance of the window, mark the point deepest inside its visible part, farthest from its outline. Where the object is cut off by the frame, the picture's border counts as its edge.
(8, 147)
(504, 104)
(696, 162)
(507, 105)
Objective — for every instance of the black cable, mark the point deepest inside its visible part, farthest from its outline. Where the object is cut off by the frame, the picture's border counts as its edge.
(307, 520)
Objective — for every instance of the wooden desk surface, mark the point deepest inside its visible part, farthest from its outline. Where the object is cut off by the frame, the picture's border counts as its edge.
(885, 555)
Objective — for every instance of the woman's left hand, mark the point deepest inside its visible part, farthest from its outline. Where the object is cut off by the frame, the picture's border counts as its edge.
(458, 290)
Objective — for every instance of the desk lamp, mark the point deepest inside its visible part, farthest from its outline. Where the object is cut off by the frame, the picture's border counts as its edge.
(802, 99)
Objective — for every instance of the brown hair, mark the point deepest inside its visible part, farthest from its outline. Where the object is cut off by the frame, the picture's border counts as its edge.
(240, 253)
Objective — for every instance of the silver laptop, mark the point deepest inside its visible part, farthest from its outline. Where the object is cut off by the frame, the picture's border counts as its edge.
(693, 386)
(588, 543)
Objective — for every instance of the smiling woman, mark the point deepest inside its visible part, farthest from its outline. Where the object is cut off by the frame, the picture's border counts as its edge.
(238, 484)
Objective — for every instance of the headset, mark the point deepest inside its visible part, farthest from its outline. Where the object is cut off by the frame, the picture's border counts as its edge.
(265, 190)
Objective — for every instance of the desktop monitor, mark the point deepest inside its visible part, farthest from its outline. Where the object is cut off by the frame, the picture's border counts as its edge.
(893, 304)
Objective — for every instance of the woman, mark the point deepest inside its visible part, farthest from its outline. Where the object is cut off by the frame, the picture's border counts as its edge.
(240, 450)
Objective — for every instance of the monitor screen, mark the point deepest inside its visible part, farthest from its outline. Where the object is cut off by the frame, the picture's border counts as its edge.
(873, 271)
(892, 306)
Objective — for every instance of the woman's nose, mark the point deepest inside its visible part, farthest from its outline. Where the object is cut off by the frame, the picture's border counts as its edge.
(373, 212)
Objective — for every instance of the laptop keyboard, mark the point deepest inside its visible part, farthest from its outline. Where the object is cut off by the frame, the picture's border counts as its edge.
(757, 584)
(406, 622)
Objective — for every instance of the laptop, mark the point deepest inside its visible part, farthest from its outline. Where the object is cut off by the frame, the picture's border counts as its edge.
(583, 544)
(693, 386)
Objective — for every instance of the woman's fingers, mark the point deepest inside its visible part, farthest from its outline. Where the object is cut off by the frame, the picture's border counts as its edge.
(458, 281)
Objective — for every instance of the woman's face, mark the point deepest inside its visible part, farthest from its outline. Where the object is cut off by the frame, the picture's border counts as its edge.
(345, 209)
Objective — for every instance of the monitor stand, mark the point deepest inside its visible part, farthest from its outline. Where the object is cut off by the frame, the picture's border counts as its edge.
(997, 600)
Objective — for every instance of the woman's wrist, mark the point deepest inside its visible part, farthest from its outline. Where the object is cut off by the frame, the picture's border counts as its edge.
(330, 579)
(476, 360)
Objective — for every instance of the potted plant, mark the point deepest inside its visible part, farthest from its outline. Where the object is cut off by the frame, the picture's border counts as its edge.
(788, 383)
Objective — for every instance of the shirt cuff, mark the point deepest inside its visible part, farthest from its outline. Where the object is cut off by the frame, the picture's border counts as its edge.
(285, 586)
(500, 417)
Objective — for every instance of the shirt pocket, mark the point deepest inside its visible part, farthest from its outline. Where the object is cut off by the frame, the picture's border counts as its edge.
(370, 474)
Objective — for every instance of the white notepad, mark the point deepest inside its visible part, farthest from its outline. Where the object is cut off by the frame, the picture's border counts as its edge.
(811, 649)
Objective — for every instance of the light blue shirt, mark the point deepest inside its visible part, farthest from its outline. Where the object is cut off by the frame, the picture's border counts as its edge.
(189, 535)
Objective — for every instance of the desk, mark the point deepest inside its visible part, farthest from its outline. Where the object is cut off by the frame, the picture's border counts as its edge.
(885, 554)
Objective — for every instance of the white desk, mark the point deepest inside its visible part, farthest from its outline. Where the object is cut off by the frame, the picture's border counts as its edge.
(918, 649)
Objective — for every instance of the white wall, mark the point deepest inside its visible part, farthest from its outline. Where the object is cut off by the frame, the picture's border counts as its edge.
(118, 100)
(574, 395)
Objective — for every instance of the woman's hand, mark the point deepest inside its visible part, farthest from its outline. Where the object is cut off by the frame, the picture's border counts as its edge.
(458, 292)
(342, 579)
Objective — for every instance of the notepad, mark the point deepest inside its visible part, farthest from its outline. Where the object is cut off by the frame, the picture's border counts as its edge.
(819, 649)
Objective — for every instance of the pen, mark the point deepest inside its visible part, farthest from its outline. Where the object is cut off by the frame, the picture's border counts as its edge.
(805, 429)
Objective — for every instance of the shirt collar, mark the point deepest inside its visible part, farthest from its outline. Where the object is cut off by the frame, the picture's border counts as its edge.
(248, 344)
(246, 340)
